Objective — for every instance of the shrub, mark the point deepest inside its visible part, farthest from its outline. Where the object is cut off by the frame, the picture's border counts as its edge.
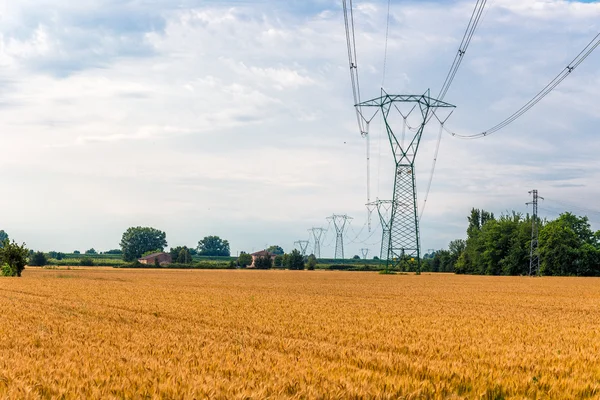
(13, 258)
(86, 262)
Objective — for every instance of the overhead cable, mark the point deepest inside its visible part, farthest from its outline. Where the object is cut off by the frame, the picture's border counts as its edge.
(592, 45)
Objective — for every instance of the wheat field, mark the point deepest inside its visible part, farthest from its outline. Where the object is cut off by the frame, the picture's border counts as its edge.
(104, 333)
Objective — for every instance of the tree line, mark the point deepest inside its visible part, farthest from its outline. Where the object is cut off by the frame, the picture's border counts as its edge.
(567, 246)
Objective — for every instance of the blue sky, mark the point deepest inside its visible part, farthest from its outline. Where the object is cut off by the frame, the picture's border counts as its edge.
(235, 117)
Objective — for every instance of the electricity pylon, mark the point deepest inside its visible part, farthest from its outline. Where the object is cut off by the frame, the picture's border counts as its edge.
(384, 209)
(405, 242)
(365, 253)
(303, 244)
(339, 222)
(534, 255)
(317, 234)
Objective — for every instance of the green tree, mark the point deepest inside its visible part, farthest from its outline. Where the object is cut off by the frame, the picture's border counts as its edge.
(469, 261)
(295, 261)
(3, 237)
(277, 250)
(244, 260)
(38, 259)
(562, 242)
(76, 252)
(181, 255)
(184, 257)
(213, 246)
(278, 261)
(263, 262)
(138, 240)
(56, 255)
(91, 251)
(114, 251)
(312, 262)
(13, 258)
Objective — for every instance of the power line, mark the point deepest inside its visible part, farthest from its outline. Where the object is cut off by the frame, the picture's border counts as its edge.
(387, 33)
(352, 59)
(592, 45)
(464, 45)
(462, 50)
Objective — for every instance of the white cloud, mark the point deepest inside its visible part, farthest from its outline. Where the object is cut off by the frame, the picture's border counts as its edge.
(237, 120)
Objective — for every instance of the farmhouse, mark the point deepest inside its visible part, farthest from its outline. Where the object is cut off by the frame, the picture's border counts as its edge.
(161, 258)
(261, 253)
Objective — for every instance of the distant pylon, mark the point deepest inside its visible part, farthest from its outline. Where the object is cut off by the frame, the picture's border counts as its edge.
(339, 222)
(534, 255)
(384, 209)
(303, 246)
(317, 234)
(365, 253)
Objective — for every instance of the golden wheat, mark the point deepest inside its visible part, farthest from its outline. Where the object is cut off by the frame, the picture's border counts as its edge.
(103, 333)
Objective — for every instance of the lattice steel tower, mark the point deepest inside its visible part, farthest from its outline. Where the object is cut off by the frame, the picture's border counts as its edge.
(339, 222)
(384, 209)
(534, 255)
(365, 253)
(317, 234)
(303, 244)
(404, 243)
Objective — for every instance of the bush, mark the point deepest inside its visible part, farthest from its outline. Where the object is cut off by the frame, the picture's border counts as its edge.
(38, 259)
(13, 258)
(86, 262)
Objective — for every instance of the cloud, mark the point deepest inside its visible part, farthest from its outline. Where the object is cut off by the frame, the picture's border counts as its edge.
(235, 117)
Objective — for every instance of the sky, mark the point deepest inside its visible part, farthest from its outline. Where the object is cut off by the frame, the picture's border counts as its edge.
(235, 118)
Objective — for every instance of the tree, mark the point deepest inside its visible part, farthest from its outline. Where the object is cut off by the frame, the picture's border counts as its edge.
(3, 237)
(244, 260)
(76, 252)
(137, 240)
(184, 257)
(278, 261)
(214, 246)
(312, 262)
(114, 251)
(295, 261)
(91, 251)
(277, 250)
(13, 258)
(38, 259)
(263, 262)
(561, 242)
(56, 255)
(181, 255)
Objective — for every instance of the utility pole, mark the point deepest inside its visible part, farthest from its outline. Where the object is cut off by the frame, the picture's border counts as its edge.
(365, 253)
(303, 244)
(339, 222)
(317, 234)
(534, 255)
(404, 243)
